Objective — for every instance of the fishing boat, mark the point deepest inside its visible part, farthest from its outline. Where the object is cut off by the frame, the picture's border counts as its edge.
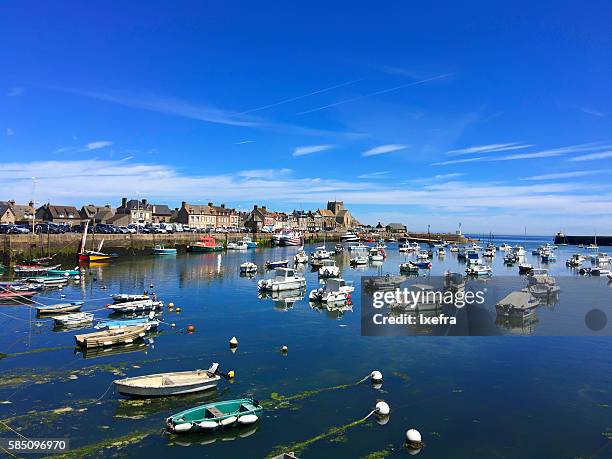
(136, 306)
(479, 270)
(548, 256)
(276, 264)
(423, 255)
(159, 249)
(169, 384)
(73, 320)
(216, 415)
(300, 257)
(238, 245)
(517, 304)
(357, 247)
(334, 290)
(489, 252)
(359, 260)
(205, 244)
(505, 247)
(320, 253)
(472, 257)
(290, 239)
(248, 268)
(12, 296)
(510, 258)
(329, 269)
(59, 308)
(601, 259)
(284, 279)
(349, 237)
(125, 297)
(404, 247)
(408, 267)
(376, 254)
(64, 272)
(87, 256)
(249, 242)
(106, 338)
(422, 264)
(575, 260)
(525, 268)
(29, 270)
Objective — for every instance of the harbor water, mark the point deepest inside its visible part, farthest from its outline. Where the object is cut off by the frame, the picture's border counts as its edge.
(507, 396)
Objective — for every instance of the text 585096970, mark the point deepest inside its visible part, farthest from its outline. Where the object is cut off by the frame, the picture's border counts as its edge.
(34, 445)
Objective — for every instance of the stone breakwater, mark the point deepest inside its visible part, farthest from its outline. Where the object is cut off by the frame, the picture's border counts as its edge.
(16, 247)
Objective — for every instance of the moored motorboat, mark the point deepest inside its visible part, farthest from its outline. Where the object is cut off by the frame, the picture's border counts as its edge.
(248, 268)
(284, 279)
(159, 249)
(149, 321)
(525, 268)
(479, 270)
(169, 384)
(205, 244)
(334, 290)
(339, 248)
(136, 306)
(329, 269)
(517, 304)
(300, 257)
(359, 260)
(125, 297)
(408, 267)
(249, 242)
(238, 245)
(215, 416)
(72, 320)
(376, 254)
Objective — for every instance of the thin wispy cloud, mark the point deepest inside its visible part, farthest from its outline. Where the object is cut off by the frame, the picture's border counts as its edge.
(436, 178)
(553, 152)
(14, 92)
(382, 149)
(201, 112)
(374, 175)
(375, 93)
(564, 175)
(293, 99)
(592, 111)
(244, 142)
(592, 156)
(307, 150)
(264, 173)
(97, 145)
(492, 148)
(9, 132)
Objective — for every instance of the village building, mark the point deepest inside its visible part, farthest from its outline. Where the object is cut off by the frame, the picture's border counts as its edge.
(132, 212)
(396, 228)
(259, 218)
(161, 213)
(24, 213)
(7, 215)
(58, 214)
(97, 214)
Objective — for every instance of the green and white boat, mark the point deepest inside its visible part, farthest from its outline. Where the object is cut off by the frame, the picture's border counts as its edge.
(64, 272)
(218, 415)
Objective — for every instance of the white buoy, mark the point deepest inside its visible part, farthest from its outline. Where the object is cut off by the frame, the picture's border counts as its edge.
(233, 342)
(414, 439)
(173, 325)
(376, 376)
(284, 349)
(382, 408)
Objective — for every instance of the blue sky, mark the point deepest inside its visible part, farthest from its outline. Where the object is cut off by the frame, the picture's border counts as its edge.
(496, 116)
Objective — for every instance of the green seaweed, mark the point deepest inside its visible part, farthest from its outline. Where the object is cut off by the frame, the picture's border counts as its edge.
(278, 401)
(102, 448)
(298, 447)
(381, 454)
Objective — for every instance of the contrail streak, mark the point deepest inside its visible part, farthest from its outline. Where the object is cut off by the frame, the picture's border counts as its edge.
(275, 104)
(382, 91)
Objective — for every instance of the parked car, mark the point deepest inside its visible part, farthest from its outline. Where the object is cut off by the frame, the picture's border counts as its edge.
(103, 228)
(47, 228)
(18, 229)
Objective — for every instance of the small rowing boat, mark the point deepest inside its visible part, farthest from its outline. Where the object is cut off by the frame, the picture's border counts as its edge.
(50, 281)
(72, 320)
(106, 338)
(148, 321)
(64, 272)
(28, 270)
(168, 384)
(161, 250)
(59, 308)
(215, 416)
(9, 295)
(277, 264)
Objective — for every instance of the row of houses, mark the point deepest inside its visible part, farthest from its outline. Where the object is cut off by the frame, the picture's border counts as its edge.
(134, 211)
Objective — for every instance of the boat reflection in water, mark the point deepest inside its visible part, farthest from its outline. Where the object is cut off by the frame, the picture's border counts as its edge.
(207, 438)
(284, 299)
(141, 346)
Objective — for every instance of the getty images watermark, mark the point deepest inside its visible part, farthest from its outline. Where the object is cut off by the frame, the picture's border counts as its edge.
(457, 305)
(422, 299)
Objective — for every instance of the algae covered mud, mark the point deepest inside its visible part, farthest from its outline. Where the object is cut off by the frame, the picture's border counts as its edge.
(503, 396)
